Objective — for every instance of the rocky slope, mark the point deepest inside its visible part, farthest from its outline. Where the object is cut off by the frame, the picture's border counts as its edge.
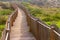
(49, 3)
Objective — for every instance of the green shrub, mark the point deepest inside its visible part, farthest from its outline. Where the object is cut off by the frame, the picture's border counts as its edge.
(2, 27)
(3, 19)
(5, 12)
(49, 23)
(58, 23)
(0, 34)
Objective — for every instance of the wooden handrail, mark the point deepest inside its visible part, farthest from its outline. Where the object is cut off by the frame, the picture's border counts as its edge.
(38, 28)
(7, 34)
(56, 33)
(7, 31)
(9, 23)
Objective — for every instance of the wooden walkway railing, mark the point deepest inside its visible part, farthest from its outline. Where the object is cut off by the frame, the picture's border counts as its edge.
(9, 23)
(39, 29)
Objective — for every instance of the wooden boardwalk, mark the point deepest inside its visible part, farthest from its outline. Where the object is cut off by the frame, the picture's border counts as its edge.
(20, 29)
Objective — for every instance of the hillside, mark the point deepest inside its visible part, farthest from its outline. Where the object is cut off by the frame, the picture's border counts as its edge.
(47, 3)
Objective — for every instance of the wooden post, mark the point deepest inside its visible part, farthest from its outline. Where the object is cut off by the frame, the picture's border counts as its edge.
(8, 31)
(52, 35)
(38, 38)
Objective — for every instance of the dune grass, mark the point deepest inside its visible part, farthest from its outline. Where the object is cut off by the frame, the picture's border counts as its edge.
(48, 15)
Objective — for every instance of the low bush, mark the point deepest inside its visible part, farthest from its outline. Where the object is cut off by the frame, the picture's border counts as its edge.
(0, 34)
(3, 19)
(48, 15)
(5, 12)
(2, 26)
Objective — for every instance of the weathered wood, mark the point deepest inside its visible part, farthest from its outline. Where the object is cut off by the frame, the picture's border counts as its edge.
(53, 34)
(44, 32)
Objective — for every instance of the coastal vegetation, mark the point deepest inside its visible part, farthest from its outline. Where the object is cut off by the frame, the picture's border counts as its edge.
(5, 11)
(48, 15)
